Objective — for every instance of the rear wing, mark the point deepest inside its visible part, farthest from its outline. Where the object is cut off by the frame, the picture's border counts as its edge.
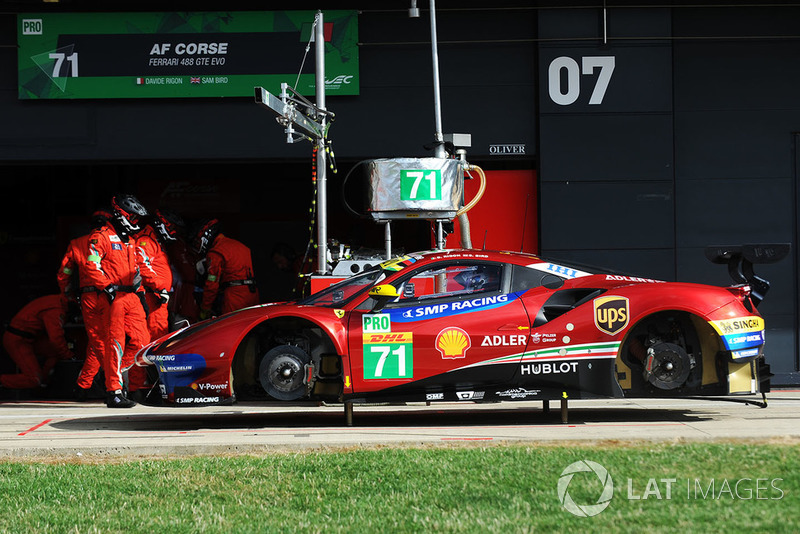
(740, 260)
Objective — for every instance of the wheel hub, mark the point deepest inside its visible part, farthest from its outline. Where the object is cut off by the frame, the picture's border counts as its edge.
(284, 373)
(667, 365)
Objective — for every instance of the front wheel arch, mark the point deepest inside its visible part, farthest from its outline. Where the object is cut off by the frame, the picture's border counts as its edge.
(311, 338)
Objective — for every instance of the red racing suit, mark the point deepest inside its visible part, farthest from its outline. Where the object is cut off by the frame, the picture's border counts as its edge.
(184, 262)
(229, 268)
(40, 318)
(154, 263)
(113, 260)
(92, 307)
(154, 259)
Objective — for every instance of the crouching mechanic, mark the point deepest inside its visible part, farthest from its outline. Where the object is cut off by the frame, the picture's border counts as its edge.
(229, 268)
(113, 265)
(37, 329)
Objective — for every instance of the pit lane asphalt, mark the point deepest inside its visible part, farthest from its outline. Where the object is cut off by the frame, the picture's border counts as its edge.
(64, 429)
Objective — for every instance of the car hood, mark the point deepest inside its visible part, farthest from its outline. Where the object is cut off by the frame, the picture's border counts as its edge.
(219, 334)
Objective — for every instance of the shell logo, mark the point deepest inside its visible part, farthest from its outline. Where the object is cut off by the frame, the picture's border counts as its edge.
(453, 343)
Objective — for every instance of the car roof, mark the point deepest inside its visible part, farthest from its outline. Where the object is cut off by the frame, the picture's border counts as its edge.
(516, 258)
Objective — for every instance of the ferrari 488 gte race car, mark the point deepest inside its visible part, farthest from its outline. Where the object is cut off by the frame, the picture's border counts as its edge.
(471, 325)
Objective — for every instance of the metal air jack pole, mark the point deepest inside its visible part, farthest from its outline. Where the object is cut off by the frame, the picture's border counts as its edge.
(437, 99)
(322, 164)
(387, 239)
(437, 109)
(295, 112)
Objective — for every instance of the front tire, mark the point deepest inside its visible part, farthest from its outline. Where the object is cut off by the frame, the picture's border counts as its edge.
(282, 372)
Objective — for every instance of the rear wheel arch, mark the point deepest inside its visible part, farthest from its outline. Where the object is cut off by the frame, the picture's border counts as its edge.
(681, 349)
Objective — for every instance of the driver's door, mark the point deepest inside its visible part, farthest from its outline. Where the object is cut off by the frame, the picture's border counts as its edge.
(454, 324)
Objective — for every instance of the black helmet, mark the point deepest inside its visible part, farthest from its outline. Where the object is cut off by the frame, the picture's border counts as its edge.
(128, 212)
(168, 224)
(101, 217)
(207, 232)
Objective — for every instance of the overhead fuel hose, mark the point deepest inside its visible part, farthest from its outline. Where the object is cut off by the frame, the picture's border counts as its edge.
(463, 220)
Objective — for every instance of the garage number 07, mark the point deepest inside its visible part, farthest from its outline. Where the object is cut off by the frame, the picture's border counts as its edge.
(565, 91)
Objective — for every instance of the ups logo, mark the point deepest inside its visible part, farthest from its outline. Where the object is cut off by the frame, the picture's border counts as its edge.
(611, 314)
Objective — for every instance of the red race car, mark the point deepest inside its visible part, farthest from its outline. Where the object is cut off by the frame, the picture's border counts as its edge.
(471, 325)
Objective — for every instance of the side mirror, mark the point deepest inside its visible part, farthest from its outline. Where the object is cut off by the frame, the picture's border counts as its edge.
(383, 294)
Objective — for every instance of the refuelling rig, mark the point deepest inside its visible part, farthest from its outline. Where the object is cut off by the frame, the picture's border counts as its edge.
(402, 188)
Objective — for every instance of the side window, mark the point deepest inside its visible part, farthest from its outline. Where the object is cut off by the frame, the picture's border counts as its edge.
(524, 278)
(451, 281)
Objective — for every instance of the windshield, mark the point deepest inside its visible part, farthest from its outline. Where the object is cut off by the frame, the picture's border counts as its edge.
(339, 294)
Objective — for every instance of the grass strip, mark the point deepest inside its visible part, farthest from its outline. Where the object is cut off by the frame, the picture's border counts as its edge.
(713, 488)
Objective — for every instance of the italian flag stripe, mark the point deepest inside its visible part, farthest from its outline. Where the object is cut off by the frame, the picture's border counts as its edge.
(588, 351)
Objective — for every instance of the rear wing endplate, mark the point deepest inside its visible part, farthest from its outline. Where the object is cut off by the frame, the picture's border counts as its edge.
(740, 260)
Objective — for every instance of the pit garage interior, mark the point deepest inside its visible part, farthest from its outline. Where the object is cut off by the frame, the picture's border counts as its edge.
(624, 135)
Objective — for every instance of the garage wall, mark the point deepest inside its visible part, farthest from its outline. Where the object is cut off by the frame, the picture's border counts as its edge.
(606, 167)
(736, 108)
(692, 145)
(486, 61)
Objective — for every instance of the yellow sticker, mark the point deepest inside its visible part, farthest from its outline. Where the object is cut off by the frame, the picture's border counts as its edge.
(389, 337)
(339, 313)
(397, 264)
(740, 325)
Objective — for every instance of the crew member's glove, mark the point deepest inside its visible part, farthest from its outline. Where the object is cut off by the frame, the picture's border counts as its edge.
(205, 314)
(163, 296)
(110, 293)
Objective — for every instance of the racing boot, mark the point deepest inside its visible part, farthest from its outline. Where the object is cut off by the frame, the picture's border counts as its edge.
(80, 394)
(116, 399)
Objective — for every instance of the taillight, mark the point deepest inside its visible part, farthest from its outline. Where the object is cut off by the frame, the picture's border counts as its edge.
(742, 293)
